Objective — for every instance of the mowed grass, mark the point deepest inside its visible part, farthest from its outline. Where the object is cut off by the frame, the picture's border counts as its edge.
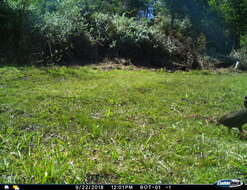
(81, 125)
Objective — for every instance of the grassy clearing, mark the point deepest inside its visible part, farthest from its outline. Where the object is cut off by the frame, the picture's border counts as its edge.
(80, 125)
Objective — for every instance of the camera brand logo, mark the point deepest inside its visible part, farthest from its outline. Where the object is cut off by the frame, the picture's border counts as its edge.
(229, 183)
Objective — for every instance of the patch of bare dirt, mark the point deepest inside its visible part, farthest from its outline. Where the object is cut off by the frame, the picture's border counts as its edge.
(116, 64)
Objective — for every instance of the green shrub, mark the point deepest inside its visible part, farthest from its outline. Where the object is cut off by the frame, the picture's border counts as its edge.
(60, 29)
(201, 43)
(101, 29)
(126, 37)
(182, 26)
(241, 55)
(100, 35)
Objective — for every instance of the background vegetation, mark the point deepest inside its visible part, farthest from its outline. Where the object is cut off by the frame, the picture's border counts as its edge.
(86, 31)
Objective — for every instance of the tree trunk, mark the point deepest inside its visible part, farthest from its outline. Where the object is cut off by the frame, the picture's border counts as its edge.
(172, 19)
(21, 56)
(237, 40)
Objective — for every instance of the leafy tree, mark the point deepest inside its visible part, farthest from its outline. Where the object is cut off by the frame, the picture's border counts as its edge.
(176, 8)
(204, 19)
(235, 14)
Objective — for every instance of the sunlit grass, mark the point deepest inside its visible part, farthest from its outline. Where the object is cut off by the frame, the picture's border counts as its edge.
(81, 125)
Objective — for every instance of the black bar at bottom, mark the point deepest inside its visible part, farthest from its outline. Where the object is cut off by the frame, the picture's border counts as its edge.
(112, 187)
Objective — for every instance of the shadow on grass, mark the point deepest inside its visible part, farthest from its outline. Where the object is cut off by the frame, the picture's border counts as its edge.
(149, 62)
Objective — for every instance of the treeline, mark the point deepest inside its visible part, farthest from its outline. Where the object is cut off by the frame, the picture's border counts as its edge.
(182, 35)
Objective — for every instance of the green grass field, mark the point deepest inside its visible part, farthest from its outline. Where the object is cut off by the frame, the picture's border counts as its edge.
(82, 125)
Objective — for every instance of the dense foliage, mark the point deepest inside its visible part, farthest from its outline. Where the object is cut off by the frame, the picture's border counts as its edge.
(61, 31)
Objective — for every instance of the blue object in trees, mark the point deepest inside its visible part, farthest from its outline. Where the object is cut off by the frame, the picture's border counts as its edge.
(148, 13)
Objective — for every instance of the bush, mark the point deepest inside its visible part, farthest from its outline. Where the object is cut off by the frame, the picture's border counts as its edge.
(201, 44)
(123, 37)
(241, 55)
(68, 34)
(101, 30)
(62, 31)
